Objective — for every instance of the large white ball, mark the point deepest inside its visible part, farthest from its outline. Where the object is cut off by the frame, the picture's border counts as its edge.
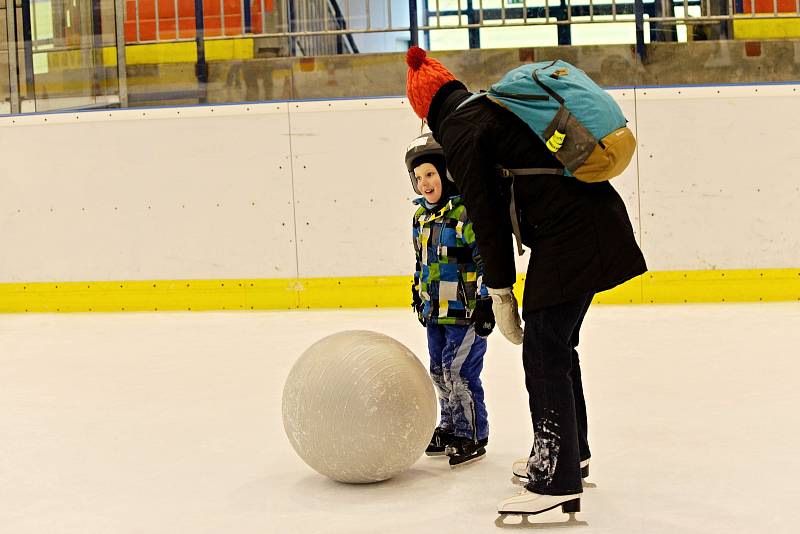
(358, 406)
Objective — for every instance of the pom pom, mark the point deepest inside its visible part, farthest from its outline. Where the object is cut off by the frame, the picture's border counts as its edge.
(415, 57)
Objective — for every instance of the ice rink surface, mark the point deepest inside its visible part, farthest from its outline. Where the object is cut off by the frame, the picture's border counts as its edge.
(171, 423)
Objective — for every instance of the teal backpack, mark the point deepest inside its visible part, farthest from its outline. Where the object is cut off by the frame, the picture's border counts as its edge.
(578, 121)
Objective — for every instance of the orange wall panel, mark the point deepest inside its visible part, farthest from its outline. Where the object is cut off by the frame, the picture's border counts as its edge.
(768, 6)
(212, 19)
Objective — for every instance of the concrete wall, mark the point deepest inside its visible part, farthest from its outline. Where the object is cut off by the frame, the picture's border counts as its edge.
(264, 79)
(706, 62)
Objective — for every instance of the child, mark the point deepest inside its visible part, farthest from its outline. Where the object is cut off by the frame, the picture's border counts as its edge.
(451, 302)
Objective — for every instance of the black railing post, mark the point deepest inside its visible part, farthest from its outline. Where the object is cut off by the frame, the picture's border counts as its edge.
(341, 24)
(13, 56)
(201, 68)
(725, 26)
(638, 9)
(292, 27)
(655, 27)
(425, 18)
(660, 31)
(248, 18)
(564, 30)
(27, 43)
(413, 23)
(474, 33)
(97, 49)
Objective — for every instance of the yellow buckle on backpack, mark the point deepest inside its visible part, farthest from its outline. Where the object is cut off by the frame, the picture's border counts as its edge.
(555, 142)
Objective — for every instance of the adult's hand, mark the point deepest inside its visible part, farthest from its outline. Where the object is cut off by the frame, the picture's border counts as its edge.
(506, 313)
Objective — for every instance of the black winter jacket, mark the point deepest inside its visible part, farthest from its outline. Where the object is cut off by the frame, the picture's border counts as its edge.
(580, 236)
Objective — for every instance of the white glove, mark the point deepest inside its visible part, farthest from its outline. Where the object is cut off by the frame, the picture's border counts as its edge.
(506, 314)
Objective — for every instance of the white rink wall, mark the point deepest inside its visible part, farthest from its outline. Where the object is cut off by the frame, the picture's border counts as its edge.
(318, 189)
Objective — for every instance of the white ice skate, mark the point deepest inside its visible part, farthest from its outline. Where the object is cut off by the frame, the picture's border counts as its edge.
(529, 503)
(520, 469)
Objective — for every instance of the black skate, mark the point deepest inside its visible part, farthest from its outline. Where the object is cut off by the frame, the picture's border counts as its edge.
(440, 441)
(466, 450)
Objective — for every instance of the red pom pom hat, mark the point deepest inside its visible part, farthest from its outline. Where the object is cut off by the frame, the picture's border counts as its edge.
(425, 77)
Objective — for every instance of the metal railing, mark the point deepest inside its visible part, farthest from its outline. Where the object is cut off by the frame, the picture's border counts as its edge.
(64, 55)
(310, 17)
(311, 27)
(661, 17)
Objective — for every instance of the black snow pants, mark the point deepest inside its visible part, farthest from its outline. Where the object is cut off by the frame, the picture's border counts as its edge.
(555, 392)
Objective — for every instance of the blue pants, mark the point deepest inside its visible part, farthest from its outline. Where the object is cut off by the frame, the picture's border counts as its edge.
(456, 363)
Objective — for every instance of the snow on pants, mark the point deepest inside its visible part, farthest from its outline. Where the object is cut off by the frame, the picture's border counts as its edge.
(456, 363)
(555, 393)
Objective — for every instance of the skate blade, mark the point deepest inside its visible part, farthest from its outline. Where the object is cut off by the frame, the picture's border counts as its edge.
(570, 507)
(472, 461)
(500, 522)
(435, 454)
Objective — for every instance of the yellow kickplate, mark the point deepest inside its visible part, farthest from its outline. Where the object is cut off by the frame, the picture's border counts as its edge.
(149, 295)
(773, 28)
(752, 285)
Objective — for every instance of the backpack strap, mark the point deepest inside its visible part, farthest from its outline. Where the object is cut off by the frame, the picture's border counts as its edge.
(515, 220)
(556, 140)
(519, 96)
(533, 171)
(510, 173)
(544, 86)
(469, 99)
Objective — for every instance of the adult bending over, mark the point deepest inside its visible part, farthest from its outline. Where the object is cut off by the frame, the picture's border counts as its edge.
(581, 242)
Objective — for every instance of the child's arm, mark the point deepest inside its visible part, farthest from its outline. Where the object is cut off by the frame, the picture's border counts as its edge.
(469, 239)
(416, 299)
(482, 315)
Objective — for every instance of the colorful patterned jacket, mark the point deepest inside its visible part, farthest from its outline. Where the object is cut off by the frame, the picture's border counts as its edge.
(449, 272)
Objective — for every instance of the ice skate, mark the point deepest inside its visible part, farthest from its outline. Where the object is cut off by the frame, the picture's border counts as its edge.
(440, 441)
(528, 503)
(465, 451)
(520, 470)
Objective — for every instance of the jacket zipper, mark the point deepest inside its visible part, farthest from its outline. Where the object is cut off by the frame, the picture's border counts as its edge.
(462, 289)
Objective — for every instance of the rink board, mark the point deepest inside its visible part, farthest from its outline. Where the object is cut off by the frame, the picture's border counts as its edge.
(308, 204)
(353, 196)
(719, 177)
(172, 193)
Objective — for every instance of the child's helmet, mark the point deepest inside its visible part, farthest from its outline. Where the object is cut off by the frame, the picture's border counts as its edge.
(422, 147)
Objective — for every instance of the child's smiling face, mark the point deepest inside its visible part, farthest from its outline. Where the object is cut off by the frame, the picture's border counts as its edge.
(429, 182)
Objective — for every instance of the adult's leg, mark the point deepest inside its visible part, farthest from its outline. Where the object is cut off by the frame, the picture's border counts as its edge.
(577, 388)
(554, 465)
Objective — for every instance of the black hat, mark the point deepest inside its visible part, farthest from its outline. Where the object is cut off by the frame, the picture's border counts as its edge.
(425, 149)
